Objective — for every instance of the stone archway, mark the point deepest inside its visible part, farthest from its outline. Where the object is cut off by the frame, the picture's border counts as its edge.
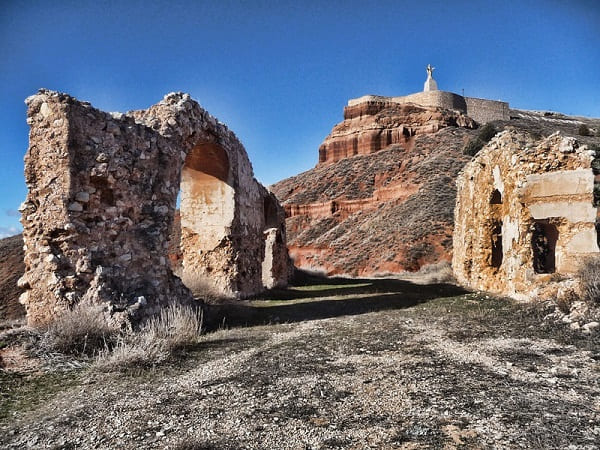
(97, 224)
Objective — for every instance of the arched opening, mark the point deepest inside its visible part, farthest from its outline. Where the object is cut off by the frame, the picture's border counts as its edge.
(206, 212)
(496, 197)
(207, 200)
(496, 242)
(544, 237)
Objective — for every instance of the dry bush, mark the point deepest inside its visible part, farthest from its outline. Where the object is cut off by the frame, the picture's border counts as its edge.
(82, 330)
(440, 272)
(201, 287)
(583, 130)
(565, 300)
(175, 328)
(486, 133)
(589, 279)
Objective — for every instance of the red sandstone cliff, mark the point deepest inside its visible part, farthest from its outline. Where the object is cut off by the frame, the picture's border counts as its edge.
(371, 126)
(381, 198)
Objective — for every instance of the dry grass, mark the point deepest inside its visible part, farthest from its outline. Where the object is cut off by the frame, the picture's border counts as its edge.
(437, 273)
(80, 331)
(440, 272)
(201, 287)
(175, 328)
(589, 279)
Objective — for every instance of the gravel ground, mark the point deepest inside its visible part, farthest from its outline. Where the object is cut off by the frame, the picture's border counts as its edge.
(465, 371)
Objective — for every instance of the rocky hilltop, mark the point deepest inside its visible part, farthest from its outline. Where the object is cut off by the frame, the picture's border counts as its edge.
(373, 125)
(381, 198)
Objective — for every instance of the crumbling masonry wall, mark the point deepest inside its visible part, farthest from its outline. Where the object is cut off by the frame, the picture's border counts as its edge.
(524, 212)
(102, 196)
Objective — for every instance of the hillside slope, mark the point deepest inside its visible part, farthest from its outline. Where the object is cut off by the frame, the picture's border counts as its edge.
(11, 268)
(389, 209)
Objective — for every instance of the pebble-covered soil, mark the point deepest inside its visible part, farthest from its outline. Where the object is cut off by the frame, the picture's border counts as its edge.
(431, 368)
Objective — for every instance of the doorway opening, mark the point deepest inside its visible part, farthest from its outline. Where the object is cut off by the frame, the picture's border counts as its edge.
(543, 244)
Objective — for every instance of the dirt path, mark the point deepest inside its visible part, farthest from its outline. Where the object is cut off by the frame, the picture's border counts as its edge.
(455, 372)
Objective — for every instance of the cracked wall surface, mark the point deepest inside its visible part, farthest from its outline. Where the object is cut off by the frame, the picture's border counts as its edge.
(102, 196)
(525, 212)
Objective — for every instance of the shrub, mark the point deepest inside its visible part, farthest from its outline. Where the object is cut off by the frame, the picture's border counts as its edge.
(589, 279)
(583, 130)
(486, 133)
(82, 330)
(596, 195)
(175, 328)
(565, 299)
(473, 147)
(201, 287)
(536, 135)
(440, 272)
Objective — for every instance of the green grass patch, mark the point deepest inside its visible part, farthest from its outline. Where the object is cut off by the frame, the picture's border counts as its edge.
(296, 301)
(322, 287)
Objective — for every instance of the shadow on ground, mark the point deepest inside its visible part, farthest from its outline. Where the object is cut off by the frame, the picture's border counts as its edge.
(315, 297)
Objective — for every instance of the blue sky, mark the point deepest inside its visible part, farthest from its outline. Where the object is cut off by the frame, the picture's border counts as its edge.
(278, 73)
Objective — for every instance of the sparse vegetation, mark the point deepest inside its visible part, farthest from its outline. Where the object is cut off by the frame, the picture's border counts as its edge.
(589, 279)
(486, 133)
(566, 300)
(583, 130)
(200, 287)
(80, 331)
(176, 328)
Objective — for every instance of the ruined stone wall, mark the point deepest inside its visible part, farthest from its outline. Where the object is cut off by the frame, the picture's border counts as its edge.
(276, 265)
(102, 196)
(508, 195)
(481, 110)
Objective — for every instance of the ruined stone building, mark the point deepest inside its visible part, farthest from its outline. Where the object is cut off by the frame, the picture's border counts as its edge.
(102, 195)
(525, 214)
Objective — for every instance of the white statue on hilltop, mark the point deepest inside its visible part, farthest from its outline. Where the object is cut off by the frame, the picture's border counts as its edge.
(430, 71)
(430, 84)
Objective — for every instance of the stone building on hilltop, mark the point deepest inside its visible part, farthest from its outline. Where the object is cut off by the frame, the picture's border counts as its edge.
(525, 214)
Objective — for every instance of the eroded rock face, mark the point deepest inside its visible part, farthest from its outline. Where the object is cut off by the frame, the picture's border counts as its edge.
(524, 211)
(384, 212)
(373, 125)
(102, 196)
